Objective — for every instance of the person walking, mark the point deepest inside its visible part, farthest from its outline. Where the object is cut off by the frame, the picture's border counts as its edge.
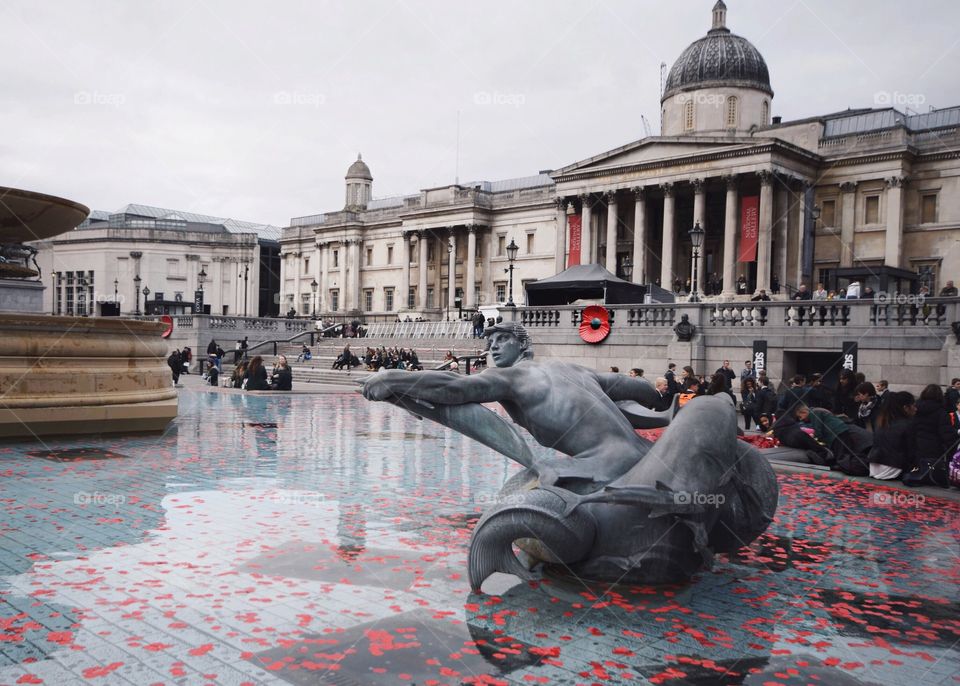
(175, 362)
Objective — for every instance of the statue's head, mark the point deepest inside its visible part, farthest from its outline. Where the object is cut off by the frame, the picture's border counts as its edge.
(508, 343)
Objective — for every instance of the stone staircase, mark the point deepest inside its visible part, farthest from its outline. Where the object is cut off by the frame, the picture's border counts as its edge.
(319, 369)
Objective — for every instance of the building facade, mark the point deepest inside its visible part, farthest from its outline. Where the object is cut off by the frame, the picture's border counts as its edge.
(782, 203)
(151, 260)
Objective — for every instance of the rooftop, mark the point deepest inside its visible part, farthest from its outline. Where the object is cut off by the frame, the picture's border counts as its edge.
(169, 219)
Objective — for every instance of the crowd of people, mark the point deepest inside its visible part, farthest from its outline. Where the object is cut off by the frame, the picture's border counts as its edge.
(391, 358)
(859, 427)
(252, 375)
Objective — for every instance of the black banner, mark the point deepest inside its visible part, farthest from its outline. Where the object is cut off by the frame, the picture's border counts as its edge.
(198, 302)
(848, 357)
(759, 357)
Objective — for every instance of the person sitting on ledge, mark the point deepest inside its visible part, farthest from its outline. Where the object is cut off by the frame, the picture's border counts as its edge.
(948, 291)
(802, 293)
(282, 375)
(256, 376)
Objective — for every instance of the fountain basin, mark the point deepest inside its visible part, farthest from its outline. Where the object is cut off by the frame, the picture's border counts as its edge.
(72, 375)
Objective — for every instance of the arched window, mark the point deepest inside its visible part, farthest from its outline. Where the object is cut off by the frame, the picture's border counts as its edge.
(688, 116)
(731, 112)
(765, 112)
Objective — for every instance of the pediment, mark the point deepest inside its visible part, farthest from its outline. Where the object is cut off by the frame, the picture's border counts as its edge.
(655, 148)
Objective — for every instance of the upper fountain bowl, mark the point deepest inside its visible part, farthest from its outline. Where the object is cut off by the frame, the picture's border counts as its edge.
(29, 216)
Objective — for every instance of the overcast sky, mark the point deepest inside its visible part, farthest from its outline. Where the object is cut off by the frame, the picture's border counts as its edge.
(254, 111)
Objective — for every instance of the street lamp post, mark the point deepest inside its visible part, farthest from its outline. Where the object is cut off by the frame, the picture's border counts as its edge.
(511, 257)
(146, 292)
(116, 297)
(313, 287)
(82, 297)
(136, 293)
(201, 277)
(696, 239)
(626, 268)
(246, 276)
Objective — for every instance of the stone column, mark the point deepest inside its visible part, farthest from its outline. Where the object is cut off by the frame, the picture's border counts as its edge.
(611, 261)
(401, 303)
(783, 209)
(586, 249)
(441, 250)
(730, 238)
(666, 256)
(486, 282)
(560, 251)
(801, 223)
(893, 244)
(639, 236)
(343, 276)
(848, 199)
(470, 287)
(764, 237)
(284, 306)
(354, 268)
(700, 216)
(324, 249)
(422, 271)
(451, 272)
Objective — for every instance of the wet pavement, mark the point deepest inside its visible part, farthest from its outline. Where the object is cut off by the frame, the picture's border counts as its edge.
(321, 539)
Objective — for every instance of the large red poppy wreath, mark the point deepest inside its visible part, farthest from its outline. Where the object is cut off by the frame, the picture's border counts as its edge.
(594, 324)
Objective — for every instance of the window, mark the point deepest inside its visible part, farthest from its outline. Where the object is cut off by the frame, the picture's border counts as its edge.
(306, 265)
(335, 299)
(304, 303)
(501, 292)
(764, 112)
(530, 243)
(367, 299)
(173, 267)
(688, 116)
(388, 299)
(431, 251)
(412, 297)
(429, 297)
(828, 213)
(336, 258)
(369, 256)
(389, 254)
(928, 208)
(501, 246)
(871, 209)
(731, 112)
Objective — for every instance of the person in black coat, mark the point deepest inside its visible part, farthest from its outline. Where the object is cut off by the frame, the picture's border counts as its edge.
(866, 395)
(819, 395)
(893, 445)
(794, 396)
(282, 375)
(748, 394)
(256, 375)
(935, 441)
(843, 402)
(728, 374)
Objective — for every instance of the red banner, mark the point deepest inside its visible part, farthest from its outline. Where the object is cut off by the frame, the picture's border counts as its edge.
(573, 223)
(749, 227)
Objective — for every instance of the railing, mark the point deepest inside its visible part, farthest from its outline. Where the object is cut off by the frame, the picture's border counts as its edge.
(455, 329)
(932, 312)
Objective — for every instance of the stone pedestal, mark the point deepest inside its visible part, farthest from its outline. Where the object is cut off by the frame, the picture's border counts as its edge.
(72, 375)
(17, 295)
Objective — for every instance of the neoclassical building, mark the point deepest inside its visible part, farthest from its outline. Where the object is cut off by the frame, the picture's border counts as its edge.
(794, 202)
(154, 260)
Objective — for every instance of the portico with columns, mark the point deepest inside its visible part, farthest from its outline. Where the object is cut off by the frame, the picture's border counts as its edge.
(859, 188)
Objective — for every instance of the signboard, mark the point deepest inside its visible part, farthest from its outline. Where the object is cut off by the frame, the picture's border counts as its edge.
(198, 302)
(759, 357)
(749, 227)
(575, 221)
(848, 357)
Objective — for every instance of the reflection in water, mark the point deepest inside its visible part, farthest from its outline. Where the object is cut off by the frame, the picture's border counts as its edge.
(304, 525)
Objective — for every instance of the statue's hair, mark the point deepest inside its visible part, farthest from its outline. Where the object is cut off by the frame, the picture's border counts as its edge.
(517, 331)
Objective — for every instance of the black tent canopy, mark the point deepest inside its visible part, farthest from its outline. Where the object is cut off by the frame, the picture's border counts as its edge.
(584, 282)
